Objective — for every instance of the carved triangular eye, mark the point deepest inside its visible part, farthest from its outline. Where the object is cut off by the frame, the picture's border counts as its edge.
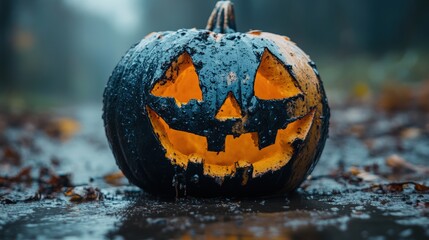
(273, 80)
(180, 82)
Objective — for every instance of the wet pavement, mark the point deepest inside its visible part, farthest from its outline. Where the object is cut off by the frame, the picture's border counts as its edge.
(369, 184)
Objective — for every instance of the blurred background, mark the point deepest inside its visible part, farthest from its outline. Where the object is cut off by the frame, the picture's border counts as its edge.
(61, 52)
(56, 57)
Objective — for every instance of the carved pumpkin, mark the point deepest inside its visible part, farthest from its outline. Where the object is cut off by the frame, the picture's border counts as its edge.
(215, 112)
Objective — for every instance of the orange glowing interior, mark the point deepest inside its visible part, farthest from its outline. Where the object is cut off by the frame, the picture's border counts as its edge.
(229, 109)
(182, 147)
(273, 81)
(180, 82)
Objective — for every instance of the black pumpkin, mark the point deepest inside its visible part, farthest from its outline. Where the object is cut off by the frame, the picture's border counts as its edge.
(215, 112)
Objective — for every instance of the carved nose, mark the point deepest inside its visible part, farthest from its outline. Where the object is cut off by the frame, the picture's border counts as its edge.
(229, 109)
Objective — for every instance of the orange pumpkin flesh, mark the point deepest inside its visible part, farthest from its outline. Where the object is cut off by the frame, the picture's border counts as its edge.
(182, 147)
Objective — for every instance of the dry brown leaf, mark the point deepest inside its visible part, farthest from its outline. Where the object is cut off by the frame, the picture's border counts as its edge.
(24, 176)
(62, 128)
(11, 156)
(398, 187)
(50, 182)
(399, 164)
(395, 97)
(358, 130)
(410, 133)
(84, 194)
(114, 178)
(363, 175)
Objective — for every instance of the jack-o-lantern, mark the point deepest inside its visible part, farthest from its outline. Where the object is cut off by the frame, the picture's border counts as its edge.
(215, 112)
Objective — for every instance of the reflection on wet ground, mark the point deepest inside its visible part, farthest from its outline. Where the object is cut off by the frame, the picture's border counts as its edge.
(349, 195)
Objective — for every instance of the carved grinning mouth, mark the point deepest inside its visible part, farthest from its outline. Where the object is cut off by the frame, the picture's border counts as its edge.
(183, 147)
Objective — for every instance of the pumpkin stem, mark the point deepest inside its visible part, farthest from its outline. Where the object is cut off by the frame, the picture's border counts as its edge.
(222, 19)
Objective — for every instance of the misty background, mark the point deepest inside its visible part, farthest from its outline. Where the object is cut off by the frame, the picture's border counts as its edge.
(62, 52)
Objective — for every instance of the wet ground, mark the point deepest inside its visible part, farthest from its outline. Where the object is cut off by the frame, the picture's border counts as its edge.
(58, 179)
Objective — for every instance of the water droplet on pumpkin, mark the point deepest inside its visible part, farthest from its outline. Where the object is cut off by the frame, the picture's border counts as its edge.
(195, 178)
(164, 106)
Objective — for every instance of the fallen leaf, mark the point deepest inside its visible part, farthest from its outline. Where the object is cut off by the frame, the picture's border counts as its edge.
(24, 176)
(114, 178)
(396, 97)
(62, 128)
(421, 188)
(399, 164)
(84, 194)
(11, 156)
(398, 187)
(363, 175)
(50, 182)
(410, 133)
(15, 197)
(358, 130)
